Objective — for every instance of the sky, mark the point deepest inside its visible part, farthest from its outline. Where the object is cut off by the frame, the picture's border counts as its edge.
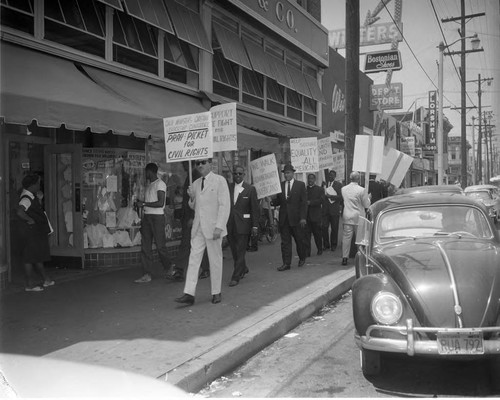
(420, 54)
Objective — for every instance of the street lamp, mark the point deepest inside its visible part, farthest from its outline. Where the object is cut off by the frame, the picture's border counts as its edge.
(475, 47)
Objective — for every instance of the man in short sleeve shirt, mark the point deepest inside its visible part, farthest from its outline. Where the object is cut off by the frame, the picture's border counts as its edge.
(153, 223)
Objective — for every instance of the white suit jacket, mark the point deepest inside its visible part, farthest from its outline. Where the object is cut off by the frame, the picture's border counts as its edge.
(211, 206)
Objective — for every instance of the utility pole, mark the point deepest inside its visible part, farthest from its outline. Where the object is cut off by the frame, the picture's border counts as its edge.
(463, 135)
(487, 175)
(480, 81)
(352, 81)
(474, 177)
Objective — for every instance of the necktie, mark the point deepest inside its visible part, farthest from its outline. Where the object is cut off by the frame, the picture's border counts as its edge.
(288, 190)
(202, 183)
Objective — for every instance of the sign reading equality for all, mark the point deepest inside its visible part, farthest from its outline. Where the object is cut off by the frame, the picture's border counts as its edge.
(368, 35)
(188, 137)
(304, 154)
(378, 61)
(265, 176)
(224, 128)
(325, 154)
(386, 98)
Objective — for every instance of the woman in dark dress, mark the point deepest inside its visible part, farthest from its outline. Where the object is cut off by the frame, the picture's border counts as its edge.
(34, 230)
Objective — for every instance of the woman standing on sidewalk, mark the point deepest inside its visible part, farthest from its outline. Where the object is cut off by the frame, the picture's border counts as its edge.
(33, 233)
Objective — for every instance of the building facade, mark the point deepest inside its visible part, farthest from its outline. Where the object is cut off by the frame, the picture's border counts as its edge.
(85, 86)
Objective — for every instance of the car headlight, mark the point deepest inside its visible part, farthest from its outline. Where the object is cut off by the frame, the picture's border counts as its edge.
(386, 308)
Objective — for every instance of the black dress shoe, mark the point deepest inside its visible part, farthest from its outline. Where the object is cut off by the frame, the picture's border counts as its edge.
(216, 298)
(204, 274)
(185, 299)
(233, 282)
(284, 267)
(344, 261)
(244, 273)
(175, 276)
(302, 262)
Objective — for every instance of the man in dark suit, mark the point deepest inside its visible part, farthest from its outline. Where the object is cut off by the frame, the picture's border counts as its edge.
(375, 189)
(332, 208)
(314, 199)
(243, 221)
(292, 217)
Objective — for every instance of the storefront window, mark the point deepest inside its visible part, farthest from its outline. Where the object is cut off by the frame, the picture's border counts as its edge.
(18, 15)
(76, 23)
(113, 179)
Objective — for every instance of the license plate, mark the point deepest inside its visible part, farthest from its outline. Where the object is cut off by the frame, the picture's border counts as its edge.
(460, 342)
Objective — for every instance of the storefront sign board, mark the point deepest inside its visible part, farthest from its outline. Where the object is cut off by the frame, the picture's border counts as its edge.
(265, 176)
(224, 127)
(378, 61)
(368, 147)
(188, 137)
(395, 165)
(325, 154)
(407, 145)
(386, 98)
(304, 154)
(369, 35)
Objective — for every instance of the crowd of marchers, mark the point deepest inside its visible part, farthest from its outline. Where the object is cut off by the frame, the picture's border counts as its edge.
(214, 208)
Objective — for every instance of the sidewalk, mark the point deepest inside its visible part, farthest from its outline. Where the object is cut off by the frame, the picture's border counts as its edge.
(105, 319)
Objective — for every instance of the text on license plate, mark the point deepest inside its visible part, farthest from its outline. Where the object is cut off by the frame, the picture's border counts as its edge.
(460, 342)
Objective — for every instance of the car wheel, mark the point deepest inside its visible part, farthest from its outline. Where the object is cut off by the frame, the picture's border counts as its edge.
(495, 373)
(370, 362)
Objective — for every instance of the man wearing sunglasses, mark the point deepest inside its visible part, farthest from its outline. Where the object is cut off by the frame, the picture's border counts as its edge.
(243, 221)
(209, 198)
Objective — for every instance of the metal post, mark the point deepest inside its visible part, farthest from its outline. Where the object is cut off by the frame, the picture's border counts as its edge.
(479, 135)
(473, 154)
(439, 138)
(463, 136)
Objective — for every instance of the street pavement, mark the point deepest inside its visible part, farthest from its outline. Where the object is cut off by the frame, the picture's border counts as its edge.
(103, 318)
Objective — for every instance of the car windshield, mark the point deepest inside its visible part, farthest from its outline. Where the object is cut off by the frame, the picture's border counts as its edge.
(483, 195)
(425, 221)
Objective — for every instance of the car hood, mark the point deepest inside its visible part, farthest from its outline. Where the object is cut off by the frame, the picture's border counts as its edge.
(425, 270)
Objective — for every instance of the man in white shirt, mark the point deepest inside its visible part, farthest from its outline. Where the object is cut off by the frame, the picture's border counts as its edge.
(356, 199)
(209, 197)
(153, 224)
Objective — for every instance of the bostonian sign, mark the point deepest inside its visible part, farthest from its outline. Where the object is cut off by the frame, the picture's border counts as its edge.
(383, 61)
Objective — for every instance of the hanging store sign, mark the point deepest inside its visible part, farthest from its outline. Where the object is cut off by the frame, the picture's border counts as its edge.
(368, 35)
(380, 61)
(432, 117)
(385, 97)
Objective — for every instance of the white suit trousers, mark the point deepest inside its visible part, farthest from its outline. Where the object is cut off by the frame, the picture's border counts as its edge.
(347, 235)
(214, 250)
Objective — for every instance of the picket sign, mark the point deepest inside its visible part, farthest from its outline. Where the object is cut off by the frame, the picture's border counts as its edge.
(368, 152)
(395, 165)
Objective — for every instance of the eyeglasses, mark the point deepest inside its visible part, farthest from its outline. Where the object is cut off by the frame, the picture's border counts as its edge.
(238, 173)
(201, 162)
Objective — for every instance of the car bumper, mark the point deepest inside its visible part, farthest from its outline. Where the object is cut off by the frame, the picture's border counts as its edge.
(411, 345)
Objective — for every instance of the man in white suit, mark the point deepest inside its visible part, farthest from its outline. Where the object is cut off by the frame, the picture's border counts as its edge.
(209, 197)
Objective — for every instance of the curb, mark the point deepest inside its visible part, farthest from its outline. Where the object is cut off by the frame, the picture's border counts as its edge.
(194, 374)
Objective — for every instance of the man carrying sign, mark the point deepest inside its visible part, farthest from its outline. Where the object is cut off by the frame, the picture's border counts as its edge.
(292, 217)
(209, 197)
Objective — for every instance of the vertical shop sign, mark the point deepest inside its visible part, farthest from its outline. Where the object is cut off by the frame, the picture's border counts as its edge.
(304, 154)
(432, 117)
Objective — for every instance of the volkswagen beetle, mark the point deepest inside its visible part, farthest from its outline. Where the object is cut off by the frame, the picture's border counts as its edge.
(427, 281)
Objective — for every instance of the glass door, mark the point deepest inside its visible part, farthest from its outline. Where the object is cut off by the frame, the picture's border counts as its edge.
(63, 163)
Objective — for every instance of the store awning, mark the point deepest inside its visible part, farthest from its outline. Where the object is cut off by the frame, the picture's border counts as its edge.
(231, 46)
(54, 91)
(150, 11)
(249, 139)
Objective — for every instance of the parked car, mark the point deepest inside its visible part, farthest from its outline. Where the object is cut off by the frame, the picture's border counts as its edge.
(427, 281)
(489, 195)
(431, 189)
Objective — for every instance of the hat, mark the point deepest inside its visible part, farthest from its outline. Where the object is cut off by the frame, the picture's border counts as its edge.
(288, 168)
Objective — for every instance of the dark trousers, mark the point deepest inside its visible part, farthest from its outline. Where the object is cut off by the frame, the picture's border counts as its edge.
(182, 258)
(153, 227)
(330, 239)
(287, 232)
(238, 244)
(313, 228)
